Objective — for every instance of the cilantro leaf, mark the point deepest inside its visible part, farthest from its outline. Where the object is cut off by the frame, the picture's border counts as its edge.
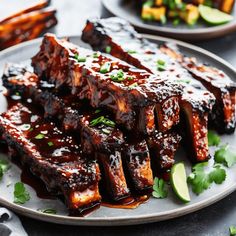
(201, 180)
(213, 138)
(159, 188)
(4, 166)
(225, 156)
(218, 175)
(21, 195)
(232, 230)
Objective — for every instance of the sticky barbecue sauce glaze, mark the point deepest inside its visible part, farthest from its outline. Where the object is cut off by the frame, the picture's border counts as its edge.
(41, 191)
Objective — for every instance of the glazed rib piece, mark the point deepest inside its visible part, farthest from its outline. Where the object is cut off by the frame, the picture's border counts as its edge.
(94, 141)
(126, 44)
(223, 116)
(164, 147)
(52, 156)
(135, 97)
(103, 140)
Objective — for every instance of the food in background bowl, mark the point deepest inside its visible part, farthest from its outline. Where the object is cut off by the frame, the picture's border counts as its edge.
(212, 12)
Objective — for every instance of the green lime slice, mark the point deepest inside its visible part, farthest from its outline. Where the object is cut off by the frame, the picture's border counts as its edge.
(214, 16)
(179, 182)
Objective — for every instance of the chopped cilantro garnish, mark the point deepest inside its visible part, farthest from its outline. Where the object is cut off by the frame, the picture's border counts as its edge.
(39, 136)
(225, 156)
(105, 67)
(108, 49)
(201, 180)
(50, 144)
(102, 120)
(161, 62)
(161, 65)
(159, 188)
(213, 138)
(48, 211)
(232, 230)
(118, 76)
(161, 68)
(131, 51)
(21, 195)
(130, 78)
(80, 58)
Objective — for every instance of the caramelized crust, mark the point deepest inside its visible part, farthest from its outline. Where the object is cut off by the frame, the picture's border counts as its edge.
(223, 115)
(137, 91)
(163, 146)
(103, 142)
(52, 156)
(116, 33)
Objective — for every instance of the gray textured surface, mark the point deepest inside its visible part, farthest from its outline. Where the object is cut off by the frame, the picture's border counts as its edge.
(214, 220)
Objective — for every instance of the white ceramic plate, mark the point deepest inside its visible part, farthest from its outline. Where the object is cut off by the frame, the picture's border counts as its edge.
(154, 209)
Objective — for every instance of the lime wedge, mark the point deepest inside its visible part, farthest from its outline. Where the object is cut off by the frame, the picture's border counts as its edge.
(214, 16)
(179, 182)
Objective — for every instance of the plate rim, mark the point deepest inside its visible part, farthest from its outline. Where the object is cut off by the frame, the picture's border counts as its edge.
(124, 220)
(202, 33)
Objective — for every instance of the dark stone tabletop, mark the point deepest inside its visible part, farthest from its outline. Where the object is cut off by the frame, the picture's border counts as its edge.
(214, 220)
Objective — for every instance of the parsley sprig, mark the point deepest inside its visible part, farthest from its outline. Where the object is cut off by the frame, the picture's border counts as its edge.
(159, 188)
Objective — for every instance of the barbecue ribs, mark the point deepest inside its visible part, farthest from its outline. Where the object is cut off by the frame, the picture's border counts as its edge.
(52, 156)
(135, 97)
(195, 102)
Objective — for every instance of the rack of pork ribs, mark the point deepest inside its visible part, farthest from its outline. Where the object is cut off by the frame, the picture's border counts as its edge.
(209, 94)
(95, 128)
(82, 103)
